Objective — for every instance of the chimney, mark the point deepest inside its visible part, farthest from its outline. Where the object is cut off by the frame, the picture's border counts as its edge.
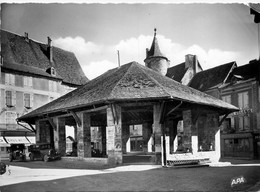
(191, 62)
(26, 37)
(50, 49)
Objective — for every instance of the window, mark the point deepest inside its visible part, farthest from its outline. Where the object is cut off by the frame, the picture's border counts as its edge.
(244, 123)
(9, 79)
(10, 117)
(53, 71)
(227, 99)
(28, 100)
(10, 97)
(243, 101)
(27, 81)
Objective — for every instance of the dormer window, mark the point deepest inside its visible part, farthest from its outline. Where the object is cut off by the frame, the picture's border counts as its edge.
(51, 71)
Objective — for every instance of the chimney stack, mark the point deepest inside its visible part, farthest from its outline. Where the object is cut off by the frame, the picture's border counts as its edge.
(50, 49)
(191, 62)
(26, 37)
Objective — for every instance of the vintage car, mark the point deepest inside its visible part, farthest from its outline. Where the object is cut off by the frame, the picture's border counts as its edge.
(44, 152)
(17, 152)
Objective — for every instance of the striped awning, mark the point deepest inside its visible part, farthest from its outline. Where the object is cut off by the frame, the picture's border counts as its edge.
(17, 140)
(31, 139)
(3, 143)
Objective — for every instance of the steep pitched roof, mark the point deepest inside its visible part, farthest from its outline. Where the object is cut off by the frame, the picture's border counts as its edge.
(33, 57)
(213, 77)
(177, 72)
(155, 49)
(130, 82)
(248, 71)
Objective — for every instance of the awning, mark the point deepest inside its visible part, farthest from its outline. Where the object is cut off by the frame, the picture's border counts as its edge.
(3, 143)
(17, 140)
(31, 139)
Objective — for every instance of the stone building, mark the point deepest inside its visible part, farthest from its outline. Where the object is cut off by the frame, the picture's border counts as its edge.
(238, 86)
(31, 75)
(132, 95)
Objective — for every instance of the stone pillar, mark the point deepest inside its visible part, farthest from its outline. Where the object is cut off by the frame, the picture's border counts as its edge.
(60, 135)
(172, 126)
(104, 140)
(84, 136)
(147, 132)
(125, 137)
(114, 135)
(75, 133)
(157, 131)
(38, 130)
(187, 124)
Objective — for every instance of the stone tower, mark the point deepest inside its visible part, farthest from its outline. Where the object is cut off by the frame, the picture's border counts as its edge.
(155, 59)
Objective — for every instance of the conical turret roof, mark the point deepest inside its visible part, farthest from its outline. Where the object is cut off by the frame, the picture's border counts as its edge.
(155, 49)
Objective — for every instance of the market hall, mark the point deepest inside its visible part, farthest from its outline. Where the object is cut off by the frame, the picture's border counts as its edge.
(130, 95)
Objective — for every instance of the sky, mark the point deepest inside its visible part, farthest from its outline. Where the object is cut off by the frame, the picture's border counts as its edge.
(217, 33)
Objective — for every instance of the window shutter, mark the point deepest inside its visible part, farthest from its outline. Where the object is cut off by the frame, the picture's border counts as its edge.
(240, 100)
(246, 103)
(7, 79)
(31, 100)
(13, 98)
(12, 79)
(24, 81)
(30, 81)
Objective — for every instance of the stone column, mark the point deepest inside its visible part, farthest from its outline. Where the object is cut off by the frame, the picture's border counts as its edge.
(147, 132)
(38, 130)
(172, 126)
(157, 131)
(114, 135)
(187, 126)
(104, 138)
(84, 136)
(60, 135)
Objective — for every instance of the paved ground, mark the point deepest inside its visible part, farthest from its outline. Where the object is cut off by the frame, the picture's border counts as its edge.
(40, 176)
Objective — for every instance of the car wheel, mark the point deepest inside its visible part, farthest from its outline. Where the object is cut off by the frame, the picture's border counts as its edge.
(45, 158)
(31, 157)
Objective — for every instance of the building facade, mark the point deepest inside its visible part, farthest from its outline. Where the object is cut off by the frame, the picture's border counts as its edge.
(241, 130)
(31, 75)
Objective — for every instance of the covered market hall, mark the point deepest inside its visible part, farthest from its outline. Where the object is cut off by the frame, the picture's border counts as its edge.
(134, 108)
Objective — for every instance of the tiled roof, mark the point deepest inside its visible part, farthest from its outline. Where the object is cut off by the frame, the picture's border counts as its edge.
(130, 82)
(155, 49)
(248, 71)
(210, 78)
(177, 72)
(33, 57)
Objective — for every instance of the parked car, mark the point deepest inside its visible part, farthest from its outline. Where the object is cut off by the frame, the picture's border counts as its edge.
(17, 152)
(44, 152)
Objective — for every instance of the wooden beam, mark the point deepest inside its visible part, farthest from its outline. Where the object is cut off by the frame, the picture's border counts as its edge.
(52, 123)
(76, 118)
(114, 114)
(174, 108)
(162, 112)
(222, 120)
(95, 109)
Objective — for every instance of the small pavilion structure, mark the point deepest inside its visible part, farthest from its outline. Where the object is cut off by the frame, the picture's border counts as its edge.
(134, 94)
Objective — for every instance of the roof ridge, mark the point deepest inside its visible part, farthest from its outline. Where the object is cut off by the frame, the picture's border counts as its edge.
(116, 84)
(155, 79)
